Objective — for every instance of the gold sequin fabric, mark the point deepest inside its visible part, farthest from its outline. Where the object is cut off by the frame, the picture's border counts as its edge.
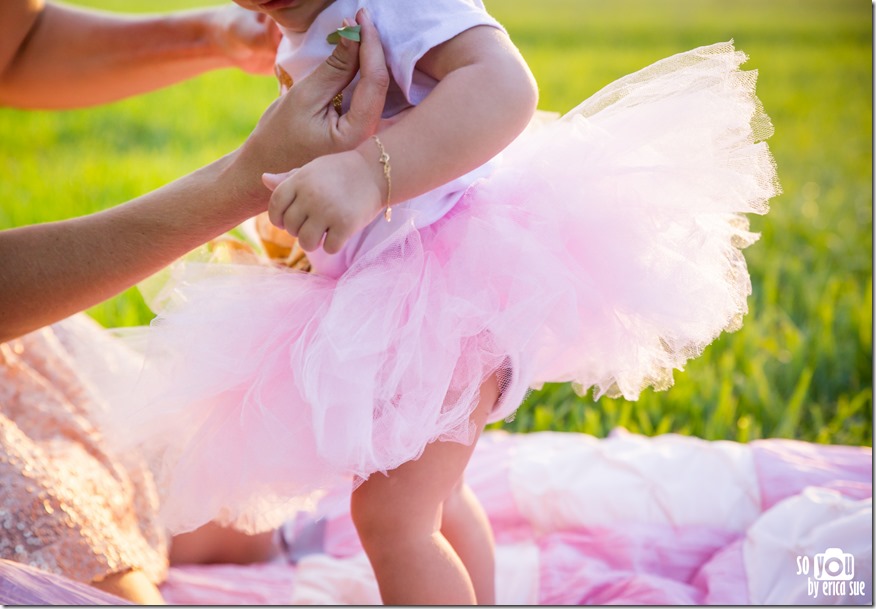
(283, 78)
(277, 246)
(67, 505)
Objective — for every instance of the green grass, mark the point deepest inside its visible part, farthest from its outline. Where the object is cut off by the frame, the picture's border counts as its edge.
(801, 367)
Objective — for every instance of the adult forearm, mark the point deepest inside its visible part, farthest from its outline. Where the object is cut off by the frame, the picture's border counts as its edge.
(75, 57)
(50, 271)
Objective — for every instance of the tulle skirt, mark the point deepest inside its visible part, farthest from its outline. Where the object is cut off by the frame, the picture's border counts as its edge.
(605, 251)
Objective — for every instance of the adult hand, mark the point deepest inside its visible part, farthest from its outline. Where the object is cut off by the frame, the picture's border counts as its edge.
(247, 38)
(303, 125)
(54, 55)
(129, 242)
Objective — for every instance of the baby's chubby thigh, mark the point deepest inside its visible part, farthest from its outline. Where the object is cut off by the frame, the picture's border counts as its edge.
(408, 500)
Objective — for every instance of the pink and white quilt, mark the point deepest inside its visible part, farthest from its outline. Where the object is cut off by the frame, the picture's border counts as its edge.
(579, 520)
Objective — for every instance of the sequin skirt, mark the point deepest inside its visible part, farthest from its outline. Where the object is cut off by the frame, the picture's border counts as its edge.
(68, 505)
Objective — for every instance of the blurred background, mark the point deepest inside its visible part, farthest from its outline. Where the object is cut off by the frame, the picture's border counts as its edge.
(801, 366)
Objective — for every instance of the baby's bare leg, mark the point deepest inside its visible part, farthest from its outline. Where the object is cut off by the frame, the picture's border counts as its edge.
(464, 524)
(132, 586)
(398, 518)
(213, 543)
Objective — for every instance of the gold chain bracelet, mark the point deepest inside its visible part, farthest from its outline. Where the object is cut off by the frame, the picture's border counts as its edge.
(387, 173)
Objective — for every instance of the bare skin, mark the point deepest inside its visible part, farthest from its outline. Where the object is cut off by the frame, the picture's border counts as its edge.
(53, 270)
(465, 526)
(131, 585)
(213, 544)
(434, 546)
(425, 534)
(296, 17)
(484, 98)
(408, 520)
(59, 56)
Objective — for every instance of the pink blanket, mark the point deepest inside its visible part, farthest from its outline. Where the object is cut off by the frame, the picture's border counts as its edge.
(622, 520)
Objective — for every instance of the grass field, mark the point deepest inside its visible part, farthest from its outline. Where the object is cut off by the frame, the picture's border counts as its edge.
(801, 367)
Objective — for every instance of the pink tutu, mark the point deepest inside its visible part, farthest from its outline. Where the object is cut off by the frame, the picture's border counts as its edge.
(604, 251)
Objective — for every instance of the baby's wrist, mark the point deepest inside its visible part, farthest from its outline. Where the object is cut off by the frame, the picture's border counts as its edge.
(373, 152)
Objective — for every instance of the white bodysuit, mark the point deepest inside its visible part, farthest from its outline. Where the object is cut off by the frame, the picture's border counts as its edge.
(408, 29)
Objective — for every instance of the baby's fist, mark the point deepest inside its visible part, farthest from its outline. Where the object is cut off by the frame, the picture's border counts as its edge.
(327, 201)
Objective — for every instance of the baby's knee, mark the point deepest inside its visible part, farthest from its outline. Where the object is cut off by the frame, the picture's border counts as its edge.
(456, 500)
(456, 492)
(383, 519)
(373, 517)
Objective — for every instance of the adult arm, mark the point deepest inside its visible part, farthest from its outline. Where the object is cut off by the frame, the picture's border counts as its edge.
(58, 56)
(50, 271)
(484, 98)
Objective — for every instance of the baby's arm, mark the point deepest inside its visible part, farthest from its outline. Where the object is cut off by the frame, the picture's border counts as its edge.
(484, 98)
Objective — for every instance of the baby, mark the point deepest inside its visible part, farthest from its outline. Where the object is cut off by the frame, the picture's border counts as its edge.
(601, 249)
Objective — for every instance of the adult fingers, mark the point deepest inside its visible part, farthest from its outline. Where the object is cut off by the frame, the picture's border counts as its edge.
(274, 33)
(248, 39)
(368, 100)
(316, 91)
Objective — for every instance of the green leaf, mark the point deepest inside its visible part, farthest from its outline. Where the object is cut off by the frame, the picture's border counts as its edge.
(350, 32)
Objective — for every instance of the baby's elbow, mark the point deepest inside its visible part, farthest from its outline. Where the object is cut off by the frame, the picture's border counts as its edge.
(529, 91)
(520, 89)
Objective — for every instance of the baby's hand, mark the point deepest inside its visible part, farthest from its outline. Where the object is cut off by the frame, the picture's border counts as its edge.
(326, 201)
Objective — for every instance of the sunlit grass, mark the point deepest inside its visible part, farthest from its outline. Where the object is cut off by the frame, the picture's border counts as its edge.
(800, 367)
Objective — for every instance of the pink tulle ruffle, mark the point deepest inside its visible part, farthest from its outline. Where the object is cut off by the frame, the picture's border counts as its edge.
(605, 251)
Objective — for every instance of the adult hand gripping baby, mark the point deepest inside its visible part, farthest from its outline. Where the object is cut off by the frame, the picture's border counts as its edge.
(129, 242)
(329, 199)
